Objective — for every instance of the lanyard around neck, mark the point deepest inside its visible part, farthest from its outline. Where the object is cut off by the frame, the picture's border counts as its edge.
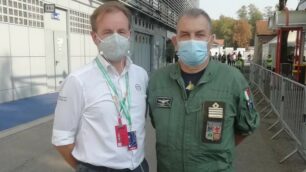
(125, 102)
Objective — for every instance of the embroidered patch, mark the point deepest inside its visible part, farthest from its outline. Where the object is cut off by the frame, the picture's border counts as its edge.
(215, 111)
(249, 101)
(138, 87)
(213, 121)
(213, 131)
(164, 102)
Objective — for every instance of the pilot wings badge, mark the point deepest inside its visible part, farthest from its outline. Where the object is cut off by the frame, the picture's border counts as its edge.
(164, 102)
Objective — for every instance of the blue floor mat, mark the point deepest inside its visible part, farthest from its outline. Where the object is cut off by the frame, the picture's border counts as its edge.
(25, 110)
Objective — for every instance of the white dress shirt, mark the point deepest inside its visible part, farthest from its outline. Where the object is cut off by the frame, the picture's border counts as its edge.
(86, 115)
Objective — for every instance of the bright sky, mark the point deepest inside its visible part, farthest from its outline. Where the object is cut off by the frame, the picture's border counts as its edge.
(229, 8)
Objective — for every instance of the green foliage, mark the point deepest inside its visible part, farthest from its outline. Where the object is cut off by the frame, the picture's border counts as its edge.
(223, 28)
(242, 33)
(237, 32)
(243, 12)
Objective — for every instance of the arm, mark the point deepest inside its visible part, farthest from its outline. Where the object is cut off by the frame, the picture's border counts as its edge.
(247, 119)
(68, 111)
(66, 151)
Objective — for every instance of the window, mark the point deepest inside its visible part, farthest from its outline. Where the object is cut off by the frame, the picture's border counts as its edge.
(79, 22)
(10, 2)
(22, 12)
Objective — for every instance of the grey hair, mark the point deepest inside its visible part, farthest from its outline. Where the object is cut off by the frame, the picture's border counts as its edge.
(195, 12)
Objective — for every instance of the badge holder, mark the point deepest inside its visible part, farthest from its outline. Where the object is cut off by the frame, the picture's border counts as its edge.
(213, 122)
(132, 140)
(121, 134)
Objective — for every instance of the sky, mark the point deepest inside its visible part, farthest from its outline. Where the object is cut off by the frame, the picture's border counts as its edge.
(229, 8)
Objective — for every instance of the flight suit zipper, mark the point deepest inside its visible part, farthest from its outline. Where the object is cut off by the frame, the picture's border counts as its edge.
(185, 99)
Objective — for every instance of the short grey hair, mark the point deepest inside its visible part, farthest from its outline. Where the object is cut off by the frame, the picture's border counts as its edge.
(195, 12)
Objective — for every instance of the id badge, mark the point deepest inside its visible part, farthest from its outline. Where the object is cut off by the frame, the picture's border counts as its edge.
(122, 136)
(214, 112)
(132, 140)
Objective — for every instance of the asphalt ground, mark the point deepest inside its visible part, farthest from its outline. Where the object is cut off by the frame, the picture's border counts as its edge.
(29, 149)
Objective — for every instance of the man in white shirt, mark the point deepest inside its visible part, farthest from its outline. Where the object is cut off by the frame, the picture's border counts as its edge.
(99, 122)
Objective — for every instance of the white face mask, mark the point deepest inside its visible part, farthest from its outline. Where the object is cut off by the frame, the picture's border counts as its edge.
(114, 47)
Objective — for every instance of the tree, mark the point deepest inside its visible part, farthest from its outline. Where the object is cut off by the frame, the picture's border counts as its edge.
(243, 13)
(242, 33)
(223, 28)
(254, 15)
(282, 4)
(268, 12)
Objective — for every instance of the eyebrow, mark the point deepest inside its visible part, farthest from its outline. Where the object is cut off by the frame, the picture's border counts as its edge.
(199, 31)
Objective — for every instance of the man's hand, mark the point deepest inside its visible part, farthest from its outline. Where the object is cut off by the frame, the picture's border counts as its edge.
(66, 151)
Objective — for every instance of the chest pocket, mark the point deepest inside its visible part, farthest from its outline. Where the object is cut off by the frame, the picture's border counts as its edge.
(161, 108)
(217, 111)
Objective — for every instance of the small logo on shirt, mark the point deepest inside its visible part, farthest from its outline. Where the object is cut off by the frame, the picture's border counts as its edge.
(164, 102)
(138, 87)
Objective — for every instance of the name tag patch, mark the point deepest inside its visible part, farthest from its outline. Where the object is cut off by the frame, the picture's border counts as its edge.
(164, 102)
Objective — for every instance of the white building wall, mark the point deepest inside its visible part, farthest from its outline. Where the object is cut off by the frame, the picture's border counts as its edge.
(25, 68)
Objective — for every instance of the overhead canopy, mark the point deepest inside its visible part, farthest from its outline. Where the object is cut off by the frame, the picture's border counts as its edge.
(296, 19)
(291, 39)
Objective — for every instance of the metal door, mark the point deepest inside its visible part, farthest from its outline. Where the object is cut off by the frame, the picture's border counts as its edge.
(56, 47)
(60, 57)
(142, 51)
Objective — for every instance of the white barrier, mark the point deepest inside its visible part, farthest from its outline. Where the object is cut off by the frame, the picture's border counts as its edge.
(287, 99)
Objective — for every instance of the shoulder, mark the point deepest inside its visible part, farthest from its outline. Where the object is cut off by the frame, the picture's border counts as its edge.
(138, 72)
(222, 68)
(83, 73)
(163, 77)
(163, 73)
(136, 68)
(229, 74)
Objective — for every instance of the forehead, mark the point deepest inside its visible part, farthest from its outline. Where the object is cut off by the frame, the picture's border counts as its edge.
(193, 24)
(111, 18)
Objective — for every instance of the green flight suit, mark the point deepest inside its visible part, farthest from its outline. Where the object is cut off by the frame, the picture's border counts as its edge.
(179, 121)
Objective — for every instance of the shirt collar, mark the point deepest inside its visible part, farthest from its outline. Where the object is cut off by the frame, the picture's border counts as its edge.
(209, 73)
(110, 68)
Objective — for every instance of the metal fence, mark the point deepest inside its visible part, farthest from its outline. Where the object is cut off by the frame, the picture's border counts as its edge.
(287, 99)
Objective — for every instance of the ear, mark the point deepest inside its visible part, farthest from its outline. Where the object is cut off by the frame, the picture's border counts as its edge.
(212, 38)
(174, 42)
(94, 37)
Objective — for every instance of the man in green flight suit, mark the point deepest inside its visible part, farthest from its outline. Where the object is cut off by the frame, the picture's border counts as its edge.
(239, 63)
(269, 62)
(200, 109)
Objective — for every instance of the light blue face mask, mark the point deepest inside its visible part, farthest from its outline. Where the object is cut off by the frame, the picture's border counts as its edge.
(192, 52)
